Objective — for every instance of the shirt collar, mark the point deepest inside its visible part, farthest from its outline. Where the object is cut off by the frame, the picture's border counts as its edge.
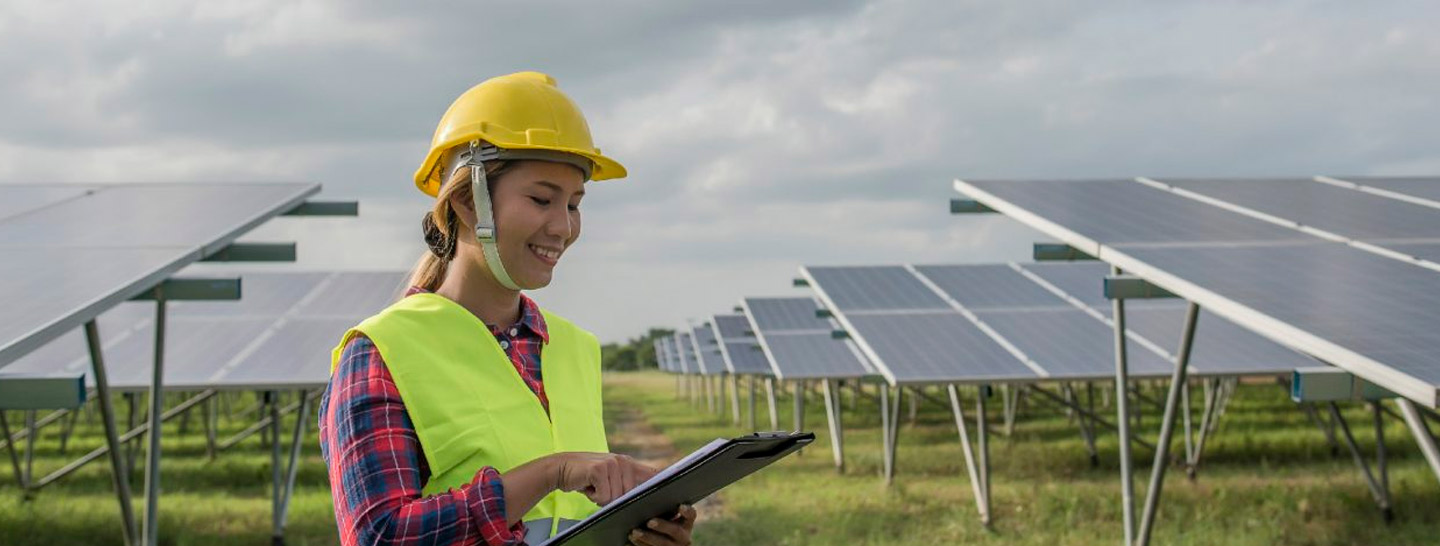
(530, 316)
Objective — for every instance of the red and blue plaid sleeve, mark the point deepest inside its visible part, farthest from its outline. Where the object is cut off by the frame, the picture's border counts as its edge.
(377, 470)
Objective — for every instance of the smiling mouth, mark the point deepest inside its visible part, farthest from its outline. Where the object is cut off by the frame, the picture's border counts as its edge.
(547, 255)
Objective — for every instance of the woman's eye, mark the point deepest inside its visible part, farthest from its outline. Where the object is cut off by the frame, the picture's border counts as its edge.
(541, 202)
(574, 208)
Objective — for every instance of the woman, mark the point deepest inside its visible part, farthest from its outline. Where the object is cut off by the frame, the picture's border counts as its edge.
(438, 425)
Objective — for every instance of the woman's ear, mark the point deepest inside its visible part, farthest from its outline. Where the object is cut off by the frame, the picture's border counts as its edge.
(464, 207)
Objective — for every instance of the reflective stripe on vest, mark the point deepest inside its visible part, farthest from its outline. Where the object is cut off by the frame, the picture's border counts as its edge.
(469, 405)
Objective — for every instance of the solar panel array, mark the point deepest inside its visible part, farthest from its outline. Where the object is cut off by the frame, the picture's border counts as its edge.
(52, 237)
(1345, 269)
(1003, 322)
(277, 336)
(741, 351)
(800, 345)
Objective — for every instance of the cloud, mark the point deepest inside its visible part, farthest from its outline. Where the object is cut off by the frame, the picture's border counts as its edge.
(759, 135)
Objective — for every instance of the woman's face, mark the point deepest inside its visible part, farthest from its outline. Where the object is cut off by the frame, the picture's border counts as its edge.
(537, 217)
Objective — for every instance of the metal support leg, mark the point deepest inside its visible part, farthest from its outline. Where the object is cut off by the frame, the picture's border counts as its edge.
(30, 446)
(770, 403)
(118, 470)
(150, 534)
(1189, 432)
(753, 427)
(1382, 467)
(296, 442)
(14, 458)
(211, 423)
(799, 406)
(1207, 424)
(893, 434)
(1377, 489)
(832, 414)
(982, 426)
(914, 404)
(1007, 408)
(1122, 419)
(735, 399)
(275, 472)
(977, 485)
(1167, 425)
(133, 420)
(69, 429)
(1087, 430)
(1325, 428)
(1421, 432)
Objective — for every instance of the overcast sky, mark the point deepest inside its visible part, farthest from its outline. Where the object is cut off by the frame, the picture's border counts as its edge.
(759, 135)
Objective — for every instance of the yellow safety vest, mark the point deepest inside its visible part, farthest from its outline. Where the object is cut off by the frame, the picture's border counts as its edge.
(470, 407)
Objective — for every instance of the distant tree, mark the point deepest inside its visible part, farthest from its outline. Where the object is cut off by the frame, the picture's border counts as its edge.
(634, 354)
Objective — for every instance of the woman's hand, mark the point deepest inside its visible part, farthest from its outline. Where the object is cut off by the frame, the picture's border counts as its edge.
(602, 477)
(671, 532)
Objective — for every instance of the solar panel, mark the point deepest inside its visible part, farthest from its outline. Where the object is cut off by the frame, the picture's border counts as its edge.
(1085, 281)
(798, 344)
(742, 353)
(262, 345)
(1071, 345)
(48, 259)
(686, 351)
(210, 213)
(49, 291)
(660, 355)
(1342, 211)
(669, 343)
(1066, 341)
(1124, 211)
(871, 288)
(1422, 187)
(16, 199)
(937, 348)
(1424, 251)
(913, 337)
(711, 362)
(1325, 299)
(1221, 347)
(991, 286)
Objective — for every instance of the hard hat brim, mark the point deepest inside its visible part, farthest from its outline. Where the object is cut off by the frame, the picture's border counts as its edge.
(429, 177)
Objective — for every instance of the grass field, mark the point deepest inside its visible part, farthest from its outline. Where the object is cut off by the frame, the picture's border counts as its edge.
(1268, 478)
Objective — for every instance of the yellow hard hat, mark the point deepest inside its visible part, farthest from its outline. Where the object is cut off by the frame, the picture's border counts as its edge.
(520, 111)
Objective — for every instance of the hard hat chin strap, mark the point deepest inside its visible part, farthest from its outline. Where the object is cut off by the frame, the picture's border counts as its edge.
(475, 157)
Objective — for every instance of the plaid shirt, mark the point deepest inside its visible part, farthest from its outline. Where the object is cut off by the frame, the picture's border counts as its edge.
(375, 461)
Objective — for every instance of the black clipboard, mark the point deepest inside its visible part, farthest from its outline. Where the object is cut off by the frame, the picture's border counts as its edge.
(695, 477)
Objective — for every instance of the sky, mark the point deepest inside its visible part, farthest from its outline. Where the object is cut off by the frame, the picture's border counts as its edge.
(759, 136)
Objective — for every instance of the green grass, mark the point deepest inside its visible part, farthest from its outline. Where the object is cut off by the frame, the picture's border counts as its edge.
(1268, 479)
